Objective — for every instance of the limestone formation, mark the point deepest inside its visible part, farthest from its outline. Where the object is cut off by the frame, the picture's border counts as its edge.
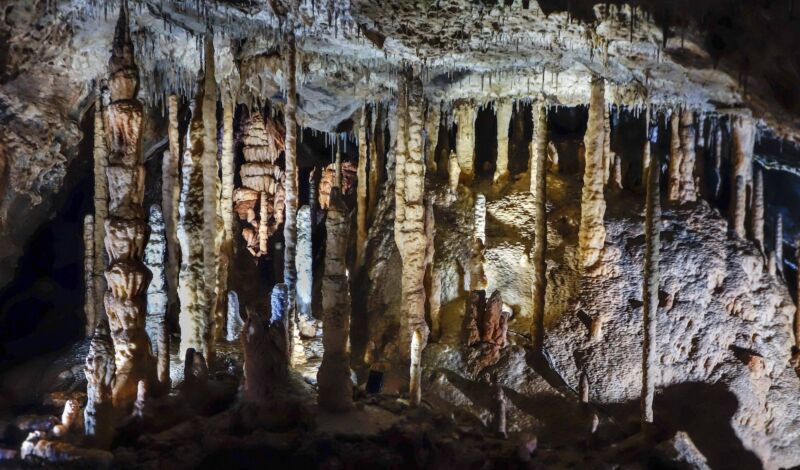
(98, 414)
(477, 264)
(757, 218)
(592, 232)
(235, 322)
(305, 272)
(717, 161)
(90, 301)
(265, 343)
(539, 191)
(608, 155)
(650, 290)
(779, 244)
(100, 157)
(194, 319)
(433, 117)
(453, 172)
(500, 412)
(228, 168)
(465, 114)
(742, 157)
(646, 157)
(688, 188)
(348, 175)
(504, 111)
(479, 229)
(156, 321)
(170, 202)
(125, 227)
(675, 157)
(361, 191)
(333, 378)
(70, 418)
(376, 163)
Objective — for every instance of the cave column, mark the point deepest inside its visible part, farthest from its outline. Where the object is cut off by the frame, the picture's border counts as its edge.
(100, 156)
(156, 322)
(757, 218)
(335, 386)
(504, 110)
(305, 270)
(539, 191)
(592, 233)
(228, 168)
(361, 188)
(99, 371)
(170, 200)
(432, 120)
(688, 189)
(650, 289)
(743, 141)
(126, 230)
(465, 140)
(90, 301)
(675, 157)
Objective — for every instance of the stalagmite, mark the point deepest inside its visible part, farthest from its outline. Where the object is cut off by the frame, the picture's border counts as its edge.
(650, 290)
(141, 399)
(539, 190)
(477, 262)
(170, 201)
(333, 378)
(98, 414)
(100, 156)
(337, 167)
(688, 188)
(361, 190)
(90, 301)
(757, 217)
(500, 411)
(194, 319)
(592, 232)
(779, 244)
(70, 418)
(743, 140)
(156, 322)
(480, 218)
(212, 225)
(453, 172)
(297, 355)
(616, 174)
(265, 344)
(305, 259)
(235, 322)
(409, 226)
(675, 157)
(465, 140)
(504, 110)
(583, 387)
(125, 228)
(432, 120)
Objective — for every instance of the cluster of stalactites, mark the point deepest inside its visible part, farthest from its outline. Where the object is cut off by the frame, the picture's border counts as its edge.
(260, 201)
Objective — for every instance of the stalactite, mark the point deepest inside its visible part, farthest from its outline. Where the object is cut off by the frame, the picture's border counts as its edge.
(99, 371)
(717, 161)
(539, 190)
(688, 189)
(409, 226)
(235, 322)
(170, 201)
(743, 140)
(100, 156)
(465, 140)
(337, 168)
(592, 232)
(297, 355)
(646, 148)
(433, 118)
(90, 301)
(479, 228)
(125, 228)
(156, 322)
(194, 320)
(675, 158)
(652, 232)
(333, 378)
(361, 190)
(504, 110)
(305, 258)
(757, 218)
(779, 244)
(453, 172)
(212, 223)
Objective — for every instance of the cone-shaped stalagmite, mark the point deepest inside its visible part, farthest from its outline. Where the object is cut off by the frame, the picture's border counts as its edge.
(504, 109)
(125, 228)
(757, 218)
(409, 226)
(156, 324)
(742, 154)
(335, 386)
(465, 140)
(592, 232)
(539, 190)
(650, 289)
(170, 199)
(90, 302)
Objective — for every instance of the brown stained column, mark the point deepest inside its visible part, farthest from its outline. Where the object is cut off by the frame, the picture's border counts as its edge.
(126, 228)
(592, 232)
(539, 192)
(335, 386)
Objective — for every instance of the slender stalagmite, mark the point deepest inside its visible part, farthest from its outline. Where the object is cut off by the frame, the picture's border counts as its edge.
(235, 322)
(479, 229)
(335, 386)
(453, 172)
(90, 302)
(688, 189)
(592, 232)
(650, 290)
(757, 218)
(539, 190)
(212, 233)
(126, 229)
(779, 244)
(170, 199)
(100, 155)
(156, 323)
(504, 109)
(465, 140)
(432, 119)
(98, 414)
(228, 168)
(409, 227)
(195, 321)
(743, 140)
(675, 157)
(305, 280)
(361, 189)
(290, 221)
